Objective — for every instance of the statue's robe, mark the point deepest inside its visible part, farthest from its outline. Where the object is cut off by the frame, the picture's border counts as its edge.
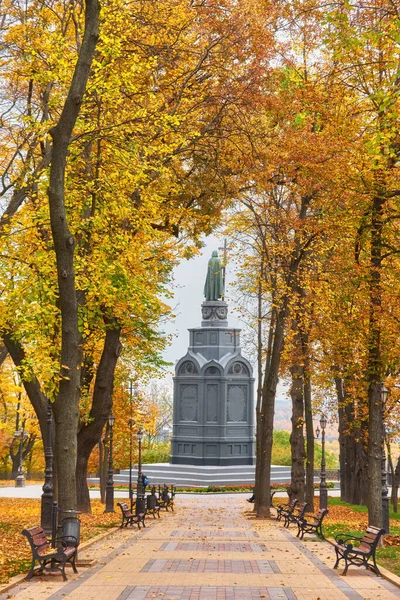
(214, 286)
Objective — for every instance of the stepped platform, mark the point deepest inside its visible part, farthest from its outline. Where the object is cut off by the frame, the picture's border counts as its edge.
(200, 476)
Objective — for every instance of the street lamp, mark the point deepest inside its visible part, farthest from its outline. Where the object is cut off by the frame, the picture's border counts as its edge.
(140, 499)
(323, 490)
(133, 391)
(385, 497)
(110, 472)
(21, 435)
(46, 511)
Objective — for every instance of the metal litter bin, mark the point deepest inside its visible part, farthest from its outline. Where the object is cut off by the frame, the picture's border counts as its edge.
(151, 502)
(71, 528)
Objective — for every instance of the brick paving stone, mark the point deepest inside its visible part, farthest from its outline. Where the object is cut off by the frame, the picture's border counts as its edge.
(204, 533)
(205, 593)
(210, 566)
(212, 547)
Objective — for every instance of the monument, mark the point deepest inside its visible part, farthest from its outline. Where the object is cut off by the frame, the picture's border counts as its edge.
(213, 418)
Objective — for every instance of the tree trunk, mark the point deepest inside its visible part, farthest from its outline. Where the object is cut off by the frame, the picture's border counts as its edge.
(31, 386)
(66, 404)
(297, 434)
(353, 462)
(3, 353)
(259, 373)
(263, 479)
(276, 336)
(90, 432)
(310, 441)
(374, 368)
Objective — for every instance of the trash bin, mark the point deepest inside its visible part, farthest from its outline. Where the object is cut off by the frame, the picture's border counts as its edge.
(71, 528)
(151, 502)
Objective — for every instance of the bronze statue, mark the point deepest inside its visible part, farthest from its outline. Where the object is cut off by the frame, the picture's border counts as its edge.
(214, 286)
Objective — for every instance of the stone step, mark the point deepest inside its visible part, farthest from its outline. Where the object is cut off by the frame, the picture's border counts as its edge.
(194, 475)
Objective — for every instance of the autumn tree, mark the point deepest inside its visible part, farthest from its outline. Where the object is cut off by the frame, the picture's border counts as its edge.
(143, 166)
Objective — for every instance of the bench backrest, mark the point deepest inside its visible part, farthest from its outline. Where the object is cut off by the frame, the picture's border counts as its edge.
(125, 508)
(37, 539)
(163, 493)
(300, 509)
(371, 538)
(320, 514)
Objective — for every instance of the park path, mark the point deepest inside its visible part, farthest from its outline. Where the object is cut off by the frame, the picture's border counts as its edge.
(209, 549)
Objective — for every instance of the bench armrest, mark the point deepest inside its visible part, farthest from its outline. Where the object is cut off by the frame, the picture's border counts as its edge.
(342, 538)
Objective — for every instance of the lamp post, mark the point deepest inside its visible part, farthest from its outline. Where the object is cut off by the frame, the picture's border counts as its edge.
(46, 511)
(133, 391)
(323, 490)
(21, 435)
(385, 496)
(110, 472)
(140, 499)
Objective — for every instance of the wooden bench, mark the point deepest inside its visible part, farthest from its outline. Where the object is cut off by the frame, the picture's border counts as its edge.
(128, 518)
(285, 509)
(311, 524)
(358, 555)
(295, 515)
(45, 555)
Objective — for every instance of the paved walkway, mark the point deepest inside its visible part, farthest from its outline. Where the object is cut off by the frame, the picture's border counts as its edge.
(210, 550)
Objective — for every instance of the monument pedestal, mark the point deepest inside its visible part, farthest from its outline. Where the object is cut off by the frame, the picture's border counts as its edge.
(213, 396)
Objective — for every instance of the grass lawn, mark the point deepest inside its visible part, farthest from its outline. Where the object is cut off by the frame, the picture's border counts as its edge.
(20, 513)
(344, 517)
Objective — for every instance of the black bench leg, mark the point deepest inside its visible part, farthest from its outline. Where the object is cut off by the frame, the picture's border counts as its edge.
(63, 571)
(346, 566)
(375, 567)
(335, 566)
(31, 571)
(73, 563)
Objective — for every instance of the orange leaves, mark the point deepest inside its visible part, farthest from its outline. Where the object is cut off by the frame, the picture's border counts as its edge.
(349, 518)
(16, 514)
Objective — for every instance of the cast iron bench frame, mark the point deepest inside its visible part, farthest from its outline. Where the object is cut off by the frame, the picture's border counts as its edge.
(305, 525)
(128, 518)
(358, 556)
(40, 545)
(285, 509)
(295, 515)
(164, 499)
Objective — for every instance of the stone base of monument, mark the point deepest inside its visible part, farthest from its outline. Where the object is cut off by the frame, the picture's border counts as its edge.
(201, 476)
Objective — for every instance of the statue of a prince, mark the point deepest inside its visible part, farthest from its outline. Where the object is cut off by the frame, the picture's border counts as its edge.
(214, 286)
